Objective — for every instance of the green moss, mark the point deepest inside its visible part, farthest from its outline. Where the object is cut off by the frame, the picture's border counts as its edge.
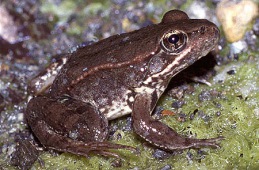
(238, 121)
(62, 10)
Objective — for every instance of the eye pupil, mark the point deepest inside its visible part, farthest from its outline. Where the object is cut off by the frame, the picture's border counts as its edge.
(174, 38)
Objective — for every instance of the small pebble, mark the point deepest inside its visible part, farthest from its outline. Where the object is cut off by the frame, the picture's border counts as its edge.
(218, 105)
(201, 154)
(128, 126)
(160, 154)
(116, 163)
(166, 167)
(189, 156)
(238, 47)
(231, 72)
(256, 27)
(251, 40)
(1, 99)
(218, 113)
(182, 117)
(157, 113)
(178, 104)
(192, 115)
(202, 115)
(205, 96)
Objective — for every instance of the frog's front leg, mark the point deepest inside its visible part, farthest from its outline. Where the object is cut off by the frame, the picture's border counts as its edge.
(69, 125)
(158, 133)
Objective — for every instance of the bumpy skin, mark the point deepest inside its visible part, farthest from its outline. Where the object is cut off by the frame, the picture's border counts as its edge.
(123, 74)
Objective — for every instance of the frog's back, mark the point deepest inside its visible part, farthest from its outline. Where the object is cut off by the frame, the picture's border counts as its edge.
(113, 57)
(115, 50)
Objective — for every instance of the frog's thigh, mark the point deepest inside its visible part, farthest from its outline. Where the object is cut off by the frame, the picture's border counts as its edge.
(69, 125)
(67, 117)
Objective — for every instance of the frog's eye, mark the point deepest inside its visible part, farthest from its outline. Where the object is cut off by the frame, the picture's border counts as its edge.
(173, 42)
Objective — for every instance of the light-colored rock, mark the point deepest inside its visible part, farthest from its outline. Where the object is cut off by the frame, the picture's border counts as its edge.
(8, 29)
(235, 17)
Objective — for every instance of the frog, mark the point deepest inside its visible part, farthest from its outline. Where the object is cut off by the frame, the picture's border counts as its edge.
(124, 74)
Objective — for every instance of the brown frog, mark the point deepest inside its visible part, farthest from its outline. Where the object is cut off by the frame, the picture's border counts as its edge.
(123, 74)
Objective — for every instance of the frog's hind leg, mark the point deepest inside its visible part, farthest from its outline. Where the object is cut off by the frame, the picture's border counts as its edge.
(158, 133)
(69, 125)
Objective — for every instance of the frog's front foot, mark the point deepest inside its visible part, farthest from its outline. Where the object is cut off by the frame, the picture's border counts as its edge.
(158, 133)
(69, 125)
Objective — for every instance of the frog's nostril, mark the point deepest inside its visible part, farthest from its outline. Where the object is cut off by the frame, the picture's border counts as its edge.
(216, 32)
(202, 29)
